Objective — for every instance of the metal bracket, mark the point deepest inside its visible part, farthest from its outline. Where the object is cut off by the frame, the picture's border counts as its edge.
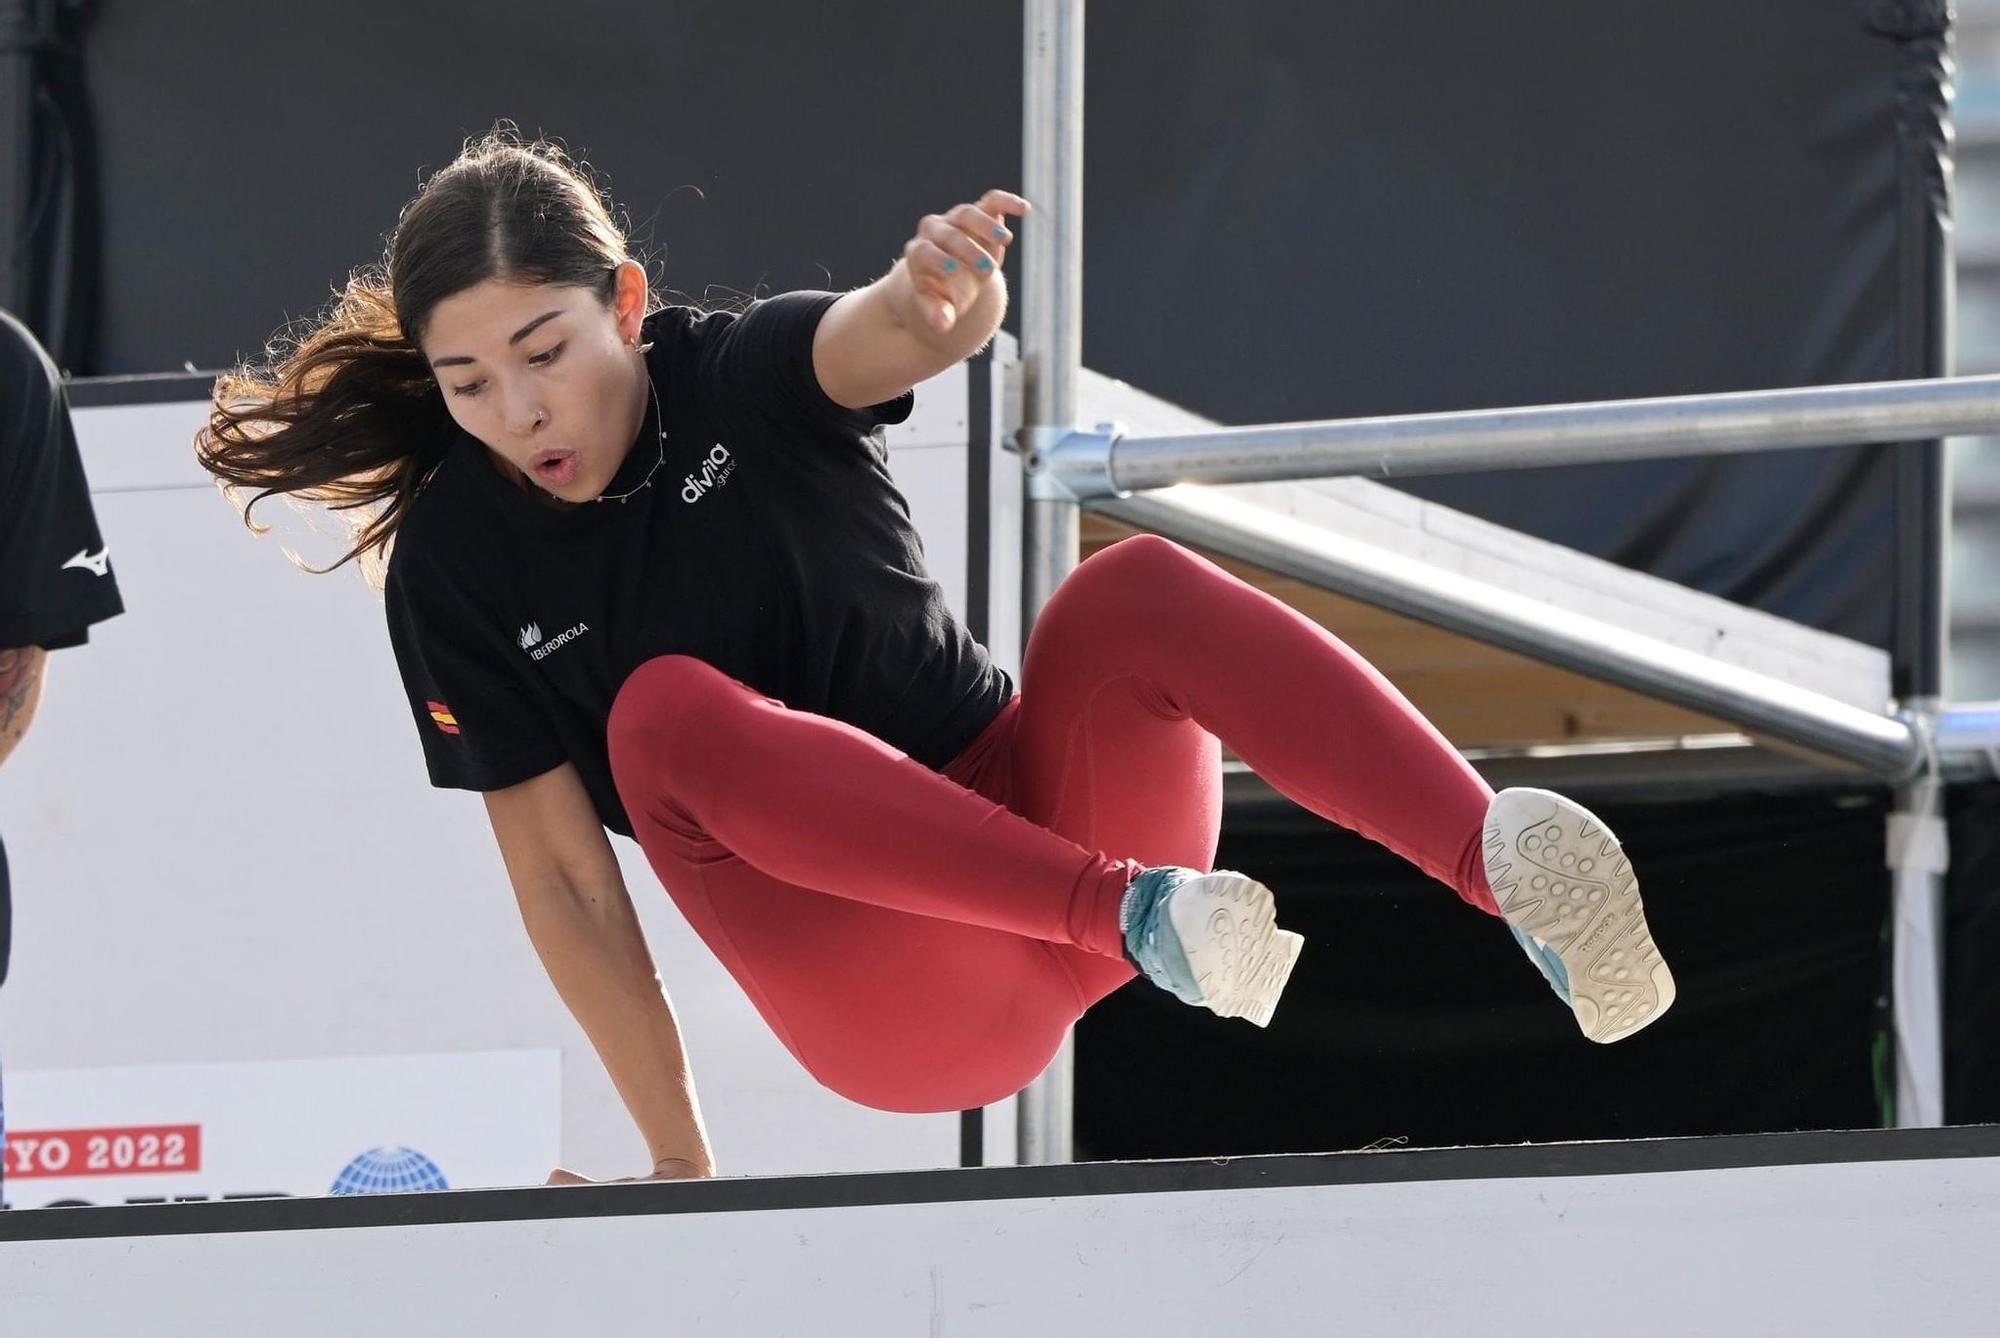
(1919, 714)
(1071, 464)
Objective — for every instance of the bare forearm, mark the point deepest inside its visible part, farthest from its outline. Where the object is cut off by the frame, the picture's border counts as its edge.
(20, 692)
(875, 342)
(597, 959)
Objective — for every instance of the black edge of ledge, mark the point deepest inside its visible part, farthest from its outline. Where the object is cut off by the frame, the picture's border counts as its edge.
(889, 1188)
(105, 392)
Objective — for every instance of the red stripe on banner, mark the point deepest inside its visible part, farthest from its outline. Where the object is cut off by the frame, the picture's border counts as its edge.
(153, 1149)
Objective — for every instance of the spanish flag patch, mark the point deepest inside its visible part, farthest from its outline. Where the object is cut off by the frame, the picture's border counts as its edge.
(441, 714)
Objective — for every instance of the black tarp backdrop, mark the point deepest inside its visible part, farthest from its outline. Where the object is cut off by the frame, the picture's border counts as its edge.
(50, 271)
(1293, 211)
(1972, 963)
(1410, 1016)
(1413, 1016)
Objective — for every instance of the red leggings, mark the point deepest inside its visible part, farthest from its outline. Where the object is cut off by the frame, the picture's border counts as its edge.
(921, 941)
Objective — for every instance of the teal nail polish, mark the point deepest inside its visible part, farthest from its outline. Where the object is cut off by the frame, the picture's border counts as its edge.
(950, 265)
(986, 264)
(999, 233)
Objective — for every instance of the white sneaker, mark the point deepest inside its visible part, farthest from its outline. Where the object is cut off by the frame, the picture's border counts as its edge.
(1571, 899)
(1209, 939)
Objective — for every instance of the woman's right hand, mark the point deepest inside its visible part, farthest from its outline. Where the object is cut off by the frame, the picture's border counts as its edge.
(668, 1168)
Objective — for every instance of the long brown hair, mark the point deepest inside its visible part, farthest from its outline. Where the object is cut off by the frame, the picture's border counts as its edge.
(345, 411)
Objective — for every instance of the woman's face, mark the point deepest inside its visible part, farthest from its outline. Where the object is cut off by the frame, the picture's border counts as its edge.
(545, 376)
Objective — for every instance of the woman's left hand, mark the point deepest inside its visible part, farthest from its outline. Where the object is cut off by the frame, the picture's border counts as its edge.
(956, 254)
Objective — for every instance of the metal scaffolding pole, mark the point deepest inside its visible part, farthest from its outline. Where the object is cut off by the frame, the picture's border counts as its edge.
(1917, 842)
(1102, 463)
(1051, 365)
(1918, 855)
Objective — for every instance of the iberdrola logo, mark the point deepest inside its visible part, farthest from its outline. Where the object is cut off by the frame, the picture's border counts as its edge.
(531, 640)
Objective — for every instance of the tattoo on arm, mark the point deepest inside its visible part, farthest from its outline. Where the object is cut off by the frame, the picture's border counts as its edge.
(20, 690)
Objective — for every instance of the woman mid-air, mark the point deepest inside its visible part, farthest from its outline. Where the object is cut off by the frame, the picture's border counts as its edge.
(650, 574)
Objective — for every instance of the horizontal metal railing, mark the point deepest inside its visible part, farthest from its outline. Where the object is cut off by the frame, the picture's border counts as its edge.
(1968, 727)
(1105, 462)
(1124, 476)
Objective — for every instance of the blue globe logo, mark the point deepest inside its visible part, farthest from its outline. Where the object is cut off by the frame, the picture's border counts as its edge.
(389, 1171)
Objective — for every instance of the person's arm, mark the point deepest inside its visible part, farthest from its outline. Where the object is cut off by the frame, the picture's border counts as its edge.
(920, 318)
(55, 569)
(20, 692)
(579, 916)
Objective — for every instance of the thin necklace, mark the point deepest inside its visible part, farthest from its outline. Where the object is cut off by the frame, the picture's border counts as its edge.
(653, 401)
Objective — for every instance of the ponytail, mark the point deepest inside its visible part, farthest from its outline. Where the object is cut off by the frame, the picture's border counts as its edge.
(348, 415)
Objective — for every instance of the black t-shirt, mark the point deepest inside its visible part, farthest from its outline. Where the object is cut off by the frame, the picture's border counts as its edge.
(772, 544)
(55, 571)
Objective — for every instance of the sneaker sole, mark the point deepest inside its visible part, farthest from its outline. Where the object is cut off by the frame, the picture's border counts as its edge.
(1558, 874)
(1226, 923)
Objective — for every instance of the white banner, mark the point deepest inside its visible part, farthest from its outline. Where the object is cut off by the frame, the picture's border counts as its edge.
(124, 872)
(178, 1132)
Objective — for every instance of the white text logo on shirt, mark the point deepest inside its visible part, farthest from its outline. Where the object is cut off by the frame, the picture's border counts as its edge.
(716, 468)
(531, 640)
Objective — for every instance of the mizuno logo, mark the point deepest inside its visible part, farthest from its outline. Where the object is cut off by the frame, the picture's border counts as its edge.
(531, 640)
(97, 564)
(716, 468)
